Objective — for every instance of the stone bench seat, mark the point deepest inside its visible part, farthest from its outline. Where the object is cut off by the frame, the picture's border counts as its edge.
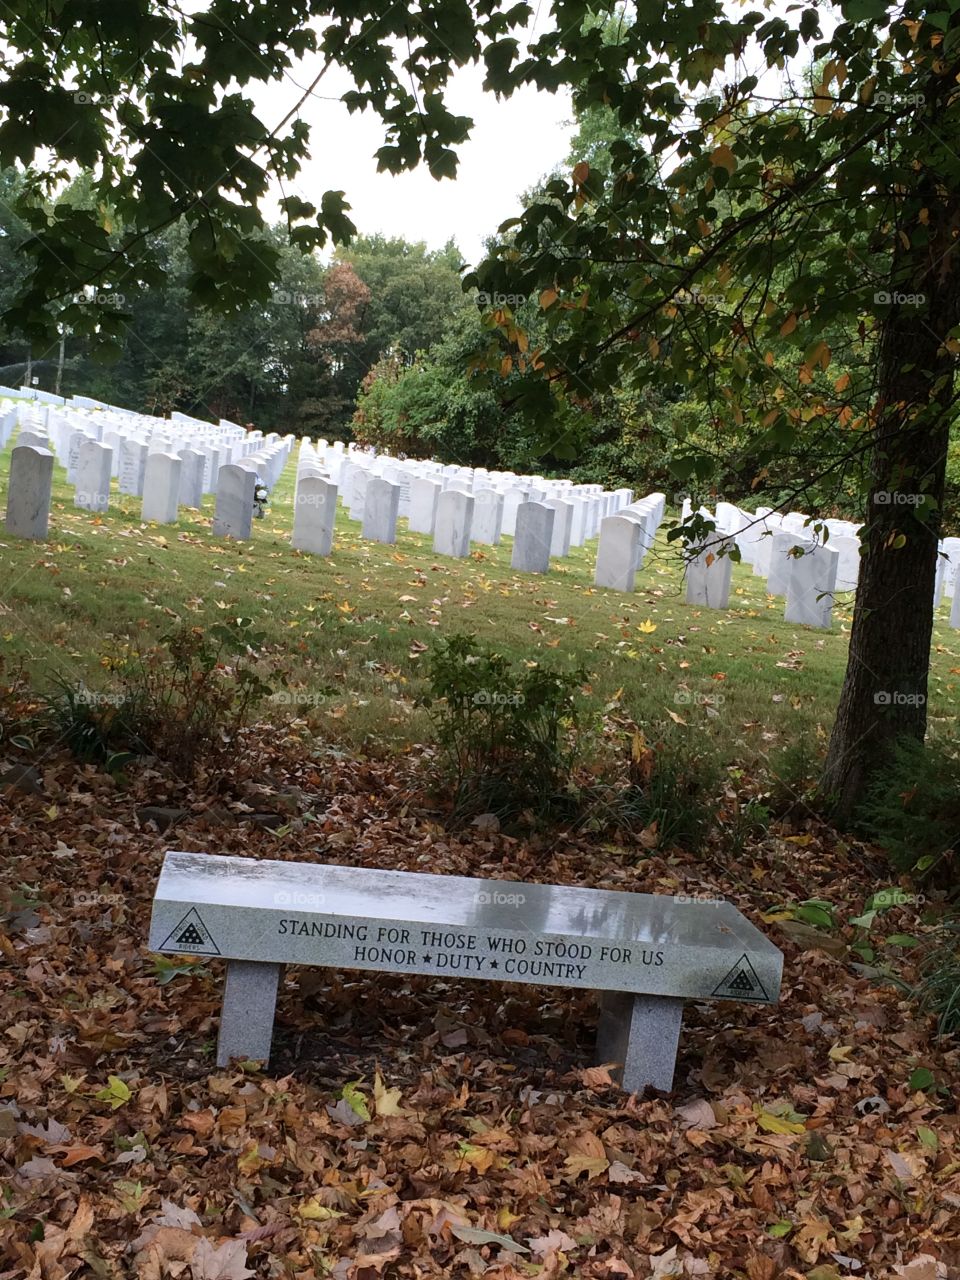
(645, 953)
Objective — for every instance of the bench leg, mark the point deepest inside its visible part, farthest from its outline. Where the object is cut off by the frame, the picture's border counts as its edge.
(246, 1016)
(641, 1034)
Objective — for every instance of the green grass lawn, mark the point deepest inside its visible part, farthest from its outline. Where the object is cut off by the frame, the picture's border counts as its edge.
(351, 631)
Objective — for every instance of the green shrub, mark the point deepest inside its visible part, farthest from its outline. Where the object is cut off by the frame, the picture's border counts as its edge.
(912, 810)
(183, 700)
(507, 731)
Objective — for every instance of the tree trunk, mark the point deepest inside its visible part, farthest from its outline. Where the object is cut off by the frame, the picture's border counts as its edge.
(885, 687)
(28, 375)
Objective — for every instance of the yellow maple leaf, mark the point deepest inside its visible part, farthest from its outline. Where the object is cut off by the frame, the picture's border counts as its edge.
(646, 626)
(592, 1166)
(313, 1211)
(386, 1101)
(778, 1124)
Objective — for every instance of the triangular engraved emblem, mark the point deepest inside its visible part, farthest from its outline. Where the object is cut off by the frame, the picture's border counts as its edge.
(741, 983)
(191, 934)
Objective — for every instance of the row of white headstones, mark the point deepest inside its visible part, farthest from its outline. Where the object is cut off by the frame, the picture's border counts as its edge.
(458, 507)
(168, 463)
(173, 463)
(806, 560)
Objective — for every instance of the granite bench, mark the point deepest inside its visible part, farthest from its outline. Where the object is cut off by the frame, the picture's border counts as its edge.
(644, 953)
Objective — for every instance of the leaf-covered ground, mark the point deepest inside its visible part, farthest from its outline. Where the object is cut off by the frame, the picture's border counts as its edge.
(413, 1127)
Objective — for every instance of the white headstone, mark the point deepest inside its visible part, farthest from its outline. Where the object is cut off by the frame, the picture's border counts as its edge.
(848, 566)
(511, 502)
(314, 515)
(233, 515)
(487, 517)
(532, 538)
(191, 478)
(358, 492)
(380, 510)
(951, 549)
(35, 439)
(781, 559)
(133, 464)
(424, 495)
(93, 476)
(161, 488)
(617, 553)
(955, 611)
(562, 526)
(709, 574)
(28, 492)
(451, 536)
(812, 581)
(74, 442)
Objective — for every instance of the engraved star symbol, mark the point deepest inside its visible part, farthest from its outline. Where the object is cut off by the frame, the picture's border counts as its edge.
(427, 959)
(494, 964)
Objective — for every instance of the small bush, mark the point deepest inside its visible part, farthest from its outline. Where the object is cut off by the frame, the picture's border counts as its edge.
(912, 810)
(939, 988)
(184, 700)
(506, 731)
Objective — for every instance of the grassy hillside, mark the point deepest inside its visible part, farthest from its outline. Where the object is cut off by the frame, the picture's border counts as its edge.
(351, 631)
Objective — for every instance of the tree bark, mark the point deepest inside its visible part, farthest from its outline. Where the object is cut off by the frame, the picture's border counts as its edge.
(884, 692)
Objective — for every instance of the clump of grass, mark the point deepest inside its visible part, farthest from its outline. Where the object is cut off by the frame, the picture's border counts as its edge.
(673, 781)
(938, 991)
(911, 809)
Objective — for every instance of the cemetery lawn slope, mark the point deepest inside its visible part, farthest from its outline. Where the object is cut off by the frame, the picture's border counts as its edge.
(351, 632)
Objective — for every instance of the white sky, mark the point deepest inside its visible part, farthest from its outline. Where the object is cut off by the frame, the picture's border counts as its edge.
(513, 143)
